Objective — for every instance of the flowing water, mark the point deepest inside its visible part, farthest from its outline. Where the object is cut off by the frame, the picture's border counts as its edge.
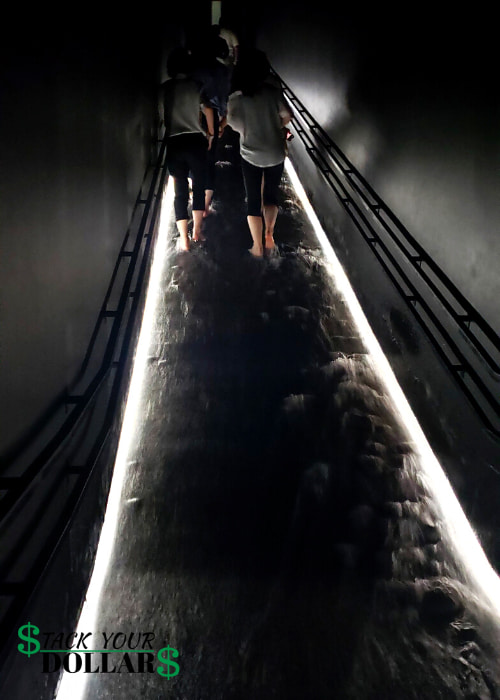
(276, 527)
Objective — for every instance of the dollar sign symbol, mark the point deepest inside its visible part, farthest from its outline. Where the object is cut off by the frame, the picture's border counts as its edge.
(168, 660)
(29, 639)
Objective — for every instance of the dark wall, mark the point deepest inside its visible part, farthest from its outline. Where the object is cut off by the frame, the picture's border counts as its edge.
(78, 128)
(410, 98)
(409, 95)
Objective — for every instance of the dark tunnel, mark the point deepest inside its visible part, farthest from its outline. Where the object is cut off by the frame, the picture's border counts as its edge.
(229, 477)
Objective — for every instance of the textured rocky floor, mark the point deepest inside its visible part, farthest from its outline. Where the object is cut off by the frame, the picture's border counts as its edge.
(275, 526)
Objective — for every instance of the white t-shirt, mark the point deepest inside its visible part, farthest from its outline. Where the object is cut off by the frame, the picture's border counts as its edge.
(257, 118)
(182, 104)
(232, 42)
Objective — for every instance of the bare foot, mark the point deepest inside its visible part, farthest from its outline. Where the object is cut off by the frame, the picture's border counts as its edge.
(198, 236)
(270, 243)
(183, 244)
(257, 252)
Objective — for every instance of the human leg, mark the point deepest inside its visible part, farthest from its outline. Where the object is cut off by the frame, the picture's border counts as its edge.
(198, 216)
(211, 160)
(209, 193)
(255, 226)
(178, 169)
(252, 178)
(270, 216)
(198, 169)
(270, 194)
(182, 227)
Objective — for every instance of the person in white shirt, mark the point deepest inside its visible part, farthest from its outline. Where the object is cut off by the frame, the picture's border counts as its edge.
(259, 113)
(187, 142)
(233, 44)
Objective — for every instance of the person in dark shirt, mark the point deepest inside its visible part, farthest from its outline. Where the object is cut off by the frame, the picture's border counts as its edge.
(214, 78)
(224, 30)
(187, 142)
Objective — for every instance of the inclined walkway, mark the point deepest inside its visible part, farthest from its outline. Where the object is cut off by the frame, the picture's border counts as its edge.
(275, 527)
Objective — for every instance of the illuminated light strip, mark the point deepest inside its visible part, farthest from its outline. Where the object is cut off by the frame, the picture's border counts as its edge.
(461, 535)
(72, 685)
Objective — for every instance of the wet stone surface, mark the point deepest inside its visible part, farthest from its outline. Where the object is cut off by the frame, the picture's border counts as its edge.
(275, 527)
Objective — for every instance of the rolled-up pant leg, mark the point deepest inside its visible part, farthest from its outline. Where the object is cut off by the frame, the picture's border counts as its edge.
(198, 170)
(252, 178)
(187, 156)
(272, 181)
(178, 168)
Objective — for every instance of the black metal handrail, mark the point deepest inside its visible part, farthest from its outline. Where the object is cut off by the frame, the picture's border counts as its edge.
(343, 178)
(16, 485)
(113, 366)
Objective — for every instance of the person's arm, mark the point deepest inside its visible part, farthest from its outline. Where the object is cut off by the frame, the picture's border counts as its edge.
(285, 112)
(222, 124)
(233, 115)
(209, 116)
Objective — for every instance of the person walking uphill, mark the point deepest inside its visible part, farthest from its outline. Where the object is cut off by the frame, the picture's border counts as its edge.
(187, 142)
(258, 111)
(214, 78)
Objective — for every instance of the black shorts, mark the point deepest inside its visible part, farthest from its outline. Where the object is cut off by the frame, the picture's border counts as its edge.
(256, 195)
(187, 157)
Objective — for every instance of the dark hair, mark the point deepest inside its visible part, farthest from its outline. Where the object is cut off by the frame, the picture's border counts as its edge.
(220, 48)
(179, 61)
(251, 71)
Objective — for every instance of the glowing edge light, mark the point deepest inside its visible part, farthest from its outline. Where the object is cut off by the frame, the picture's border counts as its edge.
(72, 685)
(460, 532)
